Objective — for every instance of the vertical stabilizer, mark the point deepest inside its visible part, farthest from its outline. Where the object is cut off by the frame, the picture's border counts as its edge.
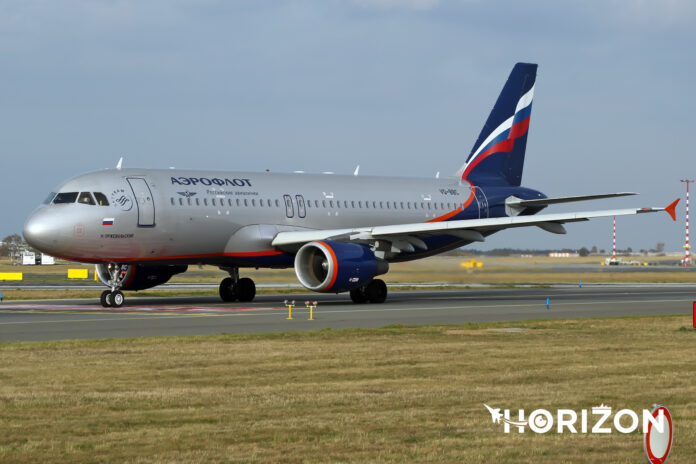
(498, 154)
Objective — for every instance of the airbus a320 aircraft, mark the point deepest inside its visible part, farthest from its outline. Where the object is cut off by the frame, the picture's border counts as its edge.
(142, 226)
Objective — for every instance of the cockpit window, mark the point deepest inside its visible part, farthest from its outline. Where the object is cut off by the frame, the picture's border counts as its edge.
(65, 197)
(86, 198)
(101, 199)
(49, 198)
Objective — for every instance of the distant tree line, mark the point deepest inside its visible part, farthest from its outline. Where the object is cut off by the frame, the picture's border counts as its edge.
(11, 245)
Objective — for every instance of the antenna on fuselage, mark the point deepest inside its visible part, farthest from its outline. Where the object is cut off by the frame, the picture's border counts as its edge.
(119, 164)
(357, 170)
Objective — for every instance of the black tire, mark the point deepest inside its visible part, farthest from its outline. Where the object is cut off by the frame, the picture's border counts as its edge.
(105, 299)
(358, 295)
(245, 289)
(227, 290)
(117, 299)
(376, 291)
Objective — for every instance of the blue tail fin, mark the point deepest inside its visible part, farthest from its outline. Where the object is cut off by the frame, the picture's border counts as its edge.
(498, 155)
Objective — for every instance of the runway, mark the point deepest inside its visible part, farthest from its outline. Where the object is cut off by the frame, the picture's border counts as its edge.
(145, 317)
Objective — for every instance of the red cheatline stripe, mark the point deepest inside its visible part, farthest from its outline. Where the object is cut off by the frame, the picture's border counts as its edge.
(456, 211)
(335, 266)
(249, 254)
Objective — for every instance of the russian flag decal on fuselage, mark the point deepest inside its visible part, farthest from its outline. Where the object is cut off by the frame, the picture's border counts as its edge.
(108, 222)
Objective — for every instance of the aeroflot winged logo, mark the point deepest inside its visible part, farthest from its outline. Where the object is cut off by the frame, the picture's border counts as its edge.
(186, 194)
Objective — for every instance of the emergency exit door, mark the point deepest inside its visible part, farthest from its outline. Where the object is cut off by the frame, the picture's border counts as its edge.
(143, 200)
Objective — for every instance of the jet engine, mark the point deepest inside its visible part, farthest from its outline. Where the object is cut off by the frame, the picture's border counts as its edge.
(328, 266)
(139, 277)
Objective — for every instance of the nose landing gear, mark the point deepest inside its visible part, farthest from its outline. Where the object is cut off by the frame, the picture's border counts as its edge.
(114, 298)
(111, 299)
(233, 288)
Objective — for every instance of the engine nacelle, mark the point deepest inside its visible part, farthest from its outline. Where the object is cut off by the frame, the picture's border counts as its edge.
(140, 277)
(328, 266)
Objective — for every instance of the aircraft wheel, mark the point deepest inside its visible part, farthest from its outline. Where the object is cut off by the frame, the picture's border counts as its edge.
(358, 295)
(376, 291)
(227, 290)
(105, 299)
(117, 299)
(245, 289)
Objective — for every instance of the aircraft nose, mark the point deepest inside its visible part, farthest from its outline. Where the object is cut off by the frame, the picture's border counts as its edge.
(37, 231)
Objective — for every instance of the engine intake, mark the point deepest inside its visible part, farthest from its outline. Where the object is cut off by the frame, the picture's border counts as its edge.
(328, 266)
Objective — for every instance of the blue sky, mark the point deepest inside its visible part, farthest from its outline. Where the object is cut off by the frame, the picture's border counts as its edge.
(401, 87)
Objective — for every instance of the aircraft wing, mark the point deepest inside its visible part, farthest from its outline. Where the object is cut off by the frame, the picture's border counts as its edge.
(407, 237)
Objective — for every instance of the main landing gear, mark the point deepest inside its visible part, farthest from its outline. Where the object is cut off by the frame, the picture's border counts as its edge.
(114, 298)
(374, 292)
(233, 288)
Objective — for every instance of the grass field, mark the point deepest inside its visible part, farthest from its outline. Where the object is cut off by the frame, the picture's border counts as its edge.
(385, 395)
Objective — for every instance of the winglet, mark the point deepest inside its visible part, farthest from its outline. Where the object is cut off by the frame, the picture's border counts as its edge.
(671, 209)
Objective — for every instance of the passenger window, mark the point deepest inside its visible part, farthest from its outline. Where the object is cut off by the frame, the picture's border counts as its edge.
(388, 205)
(181, 201)
(374, 204)
(213, 200)
(65, 197)
(331, 203)
(246, 203)
(253, 202)
(360, 204)
(381, 205)
(101, 199)
(86, 198)
(205, 201)
(428, 205)
(188, 200)
(269, 202)
(229, 202)
(278, 204)
(402, 205)
(49, 198)
(239, 202)
(352, 204)
(172, 200)
(345, 203)
(367, 204)
(323, 203)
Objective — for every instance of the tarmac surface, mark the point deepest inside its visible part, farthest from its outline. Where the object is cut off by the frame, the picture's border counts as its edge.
(145, 317)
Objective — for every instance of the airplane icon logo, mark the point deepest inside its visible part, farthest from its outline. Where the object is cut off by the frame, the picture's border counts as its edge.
(497, 417)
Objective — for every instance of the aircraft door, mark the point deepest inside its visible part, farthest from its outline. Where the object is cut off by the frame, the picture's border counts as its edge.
(289, 208)
(482, 202)
(143, 200)
(300, 206)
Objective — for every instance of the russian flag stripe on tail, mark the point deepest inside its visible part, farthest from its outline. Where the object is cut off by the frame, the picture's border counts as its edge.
(497, 157)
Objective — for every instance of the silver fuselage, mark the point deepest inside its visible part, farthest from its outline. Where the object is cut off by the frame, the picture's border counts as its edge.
(230, 218)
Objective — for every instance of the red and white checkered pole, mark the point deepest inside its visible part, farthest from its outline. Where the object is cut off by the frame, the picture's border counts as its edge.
(687, 247)
(613, 245)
